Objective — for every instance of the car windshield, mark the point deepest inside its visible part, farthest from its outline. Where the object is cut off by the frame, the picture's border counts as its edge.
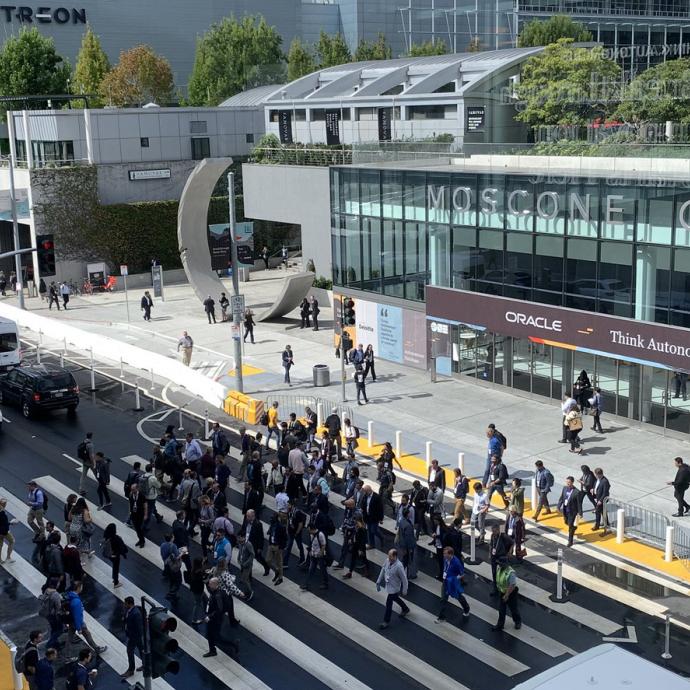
(55, 381)
(8, 342)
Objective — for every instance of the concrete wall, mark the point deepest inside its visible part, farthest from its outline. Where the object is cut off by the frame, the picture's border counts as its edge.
(293, 194)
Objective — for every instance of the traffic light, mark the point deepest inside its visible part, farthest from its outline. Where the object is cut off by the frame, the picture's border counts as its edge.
(348, 312)
(46, 255)
(161, 624)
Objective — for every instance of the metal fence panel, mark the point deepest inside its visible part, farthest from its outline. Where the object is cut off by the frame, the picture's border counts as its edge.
(646, 525)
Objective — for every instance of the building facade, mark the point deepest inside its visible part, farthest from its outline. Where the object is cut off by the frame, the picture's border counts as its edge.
(524, 278)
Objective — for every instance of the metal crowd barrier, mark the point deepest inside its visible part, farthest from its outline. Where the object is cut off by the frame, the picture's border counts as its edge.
(681, 544)
(646, 525)
(296, 403)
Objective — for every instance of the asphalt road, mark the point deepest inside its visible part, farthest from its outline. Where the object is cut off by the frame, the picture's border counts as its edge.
(37, 448)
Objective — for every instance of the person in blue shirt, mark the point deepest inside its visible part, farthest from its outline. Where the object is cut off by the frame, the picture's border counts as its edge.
(453, 570)
(45, 673)
(77, 624)
(494, 448)
(82, 676)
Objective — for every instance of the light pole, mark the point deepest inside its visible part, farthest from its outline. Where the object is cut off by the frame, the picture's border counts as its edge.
(13, 206)
(236, 316)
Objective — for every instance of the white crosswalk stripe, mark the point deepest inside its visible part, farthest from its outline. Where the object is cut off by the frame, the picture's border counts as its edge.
(222, 666)
(325, 671)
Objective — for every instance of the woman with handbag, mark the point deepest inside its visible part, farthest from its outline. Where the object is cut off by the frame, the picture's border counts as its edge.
(114, 549)
(81, 526)
(573, 420)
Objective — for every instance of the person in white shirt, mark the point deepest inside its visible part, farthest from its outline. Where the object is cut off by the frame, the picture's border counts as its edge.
(192, 450)
(350, 438)
(404, 505)
(394, 578)
(317, 558)
(282, 500)
(64, 291)
(480, 508)
(566, 406)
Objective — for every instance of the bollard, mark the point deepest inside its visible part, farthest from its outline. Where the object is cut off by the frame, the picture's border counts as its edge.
(559, 576)
(137, 399)
(319, 415)
(461, 462)
(64, 344)
(180, 427)
(62, 360)
(668, 551)
(667, 641)
(153, 384)
(429, 445)
(40, 337)
(38, 353)
(535, 494)
(473, 546)
(398, 444)
(122, 368)
(370, 434)
(206, 429)
(93, 374)
(16, 677)
(620, 526)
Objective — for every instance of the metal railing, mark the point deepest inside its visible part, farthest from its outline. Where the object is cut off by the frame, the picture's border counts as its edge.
(288, 404)
(681, 544)
(646, 525)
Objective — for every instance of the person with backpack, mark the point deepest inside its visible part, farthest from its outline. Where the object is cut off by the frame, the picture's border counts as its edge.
(5, 532)
(317, 551)
(102, 472)
(494, 448)
(87, 454)
(277, 541)
(544, 480)
(27, 661)
(114, 549)
(38, 503)
(71, 558)
(50, 608)
(334, 427)
(54, 562)
(498, 478)
(219, 441)
(134, 631)
(150, 487)
(132, 477)
(506, 583)
(76, 617)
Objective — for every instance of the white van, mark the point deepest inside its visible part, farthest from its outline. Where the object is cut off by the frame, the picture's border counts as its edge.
(10, 347)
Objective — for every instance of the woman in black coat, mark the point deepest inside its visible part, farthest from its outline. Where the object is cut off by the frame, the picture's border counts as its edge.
(114, 549)
(587, 482)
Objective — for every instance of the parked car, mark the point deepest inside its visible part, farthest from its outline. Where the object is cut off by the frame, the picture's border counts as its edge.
(39, 387)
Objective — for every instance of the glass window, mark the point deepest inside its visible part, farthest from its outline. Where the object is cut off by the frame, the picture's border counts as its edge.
(490, 262)
(415, 261)
(370, 193)
(518, 266)
(392, 193)
(519, 204)
(335, 190)
(349, 191)
(680, 288)
(652, 283)
(463, 199)
(615, 279)
(548, 270)
(439, 255)
(655, 215)
(551, 207)
(683, 218)
(583, 209)
(415, 196)
(8, 342)
(371, 254)
(581, 274)
(353, 253)
(491, 201)
(618, 212)
(392, 258)
(336, 248)
(438, 198)
(201, 148)
(464, 257)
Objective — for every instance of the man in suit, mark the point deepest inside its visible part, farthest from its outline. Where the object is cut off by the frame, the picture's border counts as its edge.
(134, 630)
(147, 305)
(567, 504)
(372, 510)
(680, 486)
(500, 547)
(437, 475)
(214, 615)
(254, 533)
(602, 488)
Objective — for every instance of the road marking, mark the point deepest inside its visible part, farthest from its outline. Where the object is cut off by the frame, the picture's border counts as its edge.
(632, 636)
(159, 416)
(283, 642)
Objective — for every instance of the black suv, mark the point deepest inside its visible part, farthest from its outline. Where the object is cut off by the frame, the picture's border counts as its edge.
(39, 387)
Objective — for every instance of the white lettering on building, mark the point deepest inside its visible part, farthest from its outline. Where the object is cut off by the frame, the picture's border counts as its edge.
(536, 321)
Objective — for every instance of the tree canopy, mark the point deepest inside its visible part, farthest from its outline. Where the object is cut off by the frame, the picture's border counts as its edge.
(91, 68)
(139, 77)
(658, 94)
(300, 60)
(30, 66)
(565, 85)
(332, 50)
(438, 47)
(542, 33)
(373, 50)
(235, 55)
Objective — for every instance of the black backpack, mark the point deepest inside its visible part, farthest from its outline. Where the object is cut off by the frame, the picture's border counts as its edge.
(263, 420)
(356, 432)
(501, 438)
(71, 680)
(329, 526)
(83, 452)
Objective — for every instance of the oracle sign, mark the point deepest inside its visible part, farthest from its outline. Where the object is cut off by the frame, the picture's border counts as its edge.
(612, 336)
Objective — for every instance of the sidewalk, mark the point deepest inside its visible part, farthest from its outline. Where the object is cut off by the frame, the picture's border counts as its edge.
(452, 413)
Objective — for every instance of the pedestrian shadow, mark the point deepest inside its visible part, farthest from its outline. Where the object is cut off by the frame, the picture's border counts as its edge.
(161, 318)
(597, 450)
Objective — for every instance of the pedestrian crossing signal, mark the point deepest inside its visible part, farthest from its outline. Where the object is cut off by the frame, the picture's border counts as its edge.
(161, 624)
(46, 255)
(349, 312)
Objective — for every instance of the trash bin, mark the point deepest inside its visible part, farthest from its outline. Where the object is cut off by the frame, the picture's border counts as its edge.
(322, 375)
(243, 275)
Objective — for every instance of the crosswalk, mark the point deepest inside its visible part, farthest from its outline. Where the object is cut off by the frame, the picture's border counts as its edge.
(333, 638)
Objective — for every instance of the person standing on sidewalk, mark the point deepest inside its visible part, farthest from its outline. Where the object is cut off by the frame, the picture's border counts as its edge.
(147, 305)
(304, 313)
(210, 308)
(288, 362)
(680, 485)
(602, 489)
(597, 403)
(369, 362)
(394, 578)
(64, 291)
(360, 383)
(315, 311)
(187, 345)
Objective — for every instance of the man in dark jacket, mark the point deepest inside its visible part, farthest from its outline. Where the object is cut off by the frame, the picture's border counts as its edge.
(277, 541)
(254, 533)
(567, 504)
(315, 311)
(680, 486)
(602, 489)
(210, 308)
(253, 499)
(334, 426)
(498, 478)
(134, 630)
(146, 305)
(372, 509)
(214, 615)
(500, 547)
(138, 511)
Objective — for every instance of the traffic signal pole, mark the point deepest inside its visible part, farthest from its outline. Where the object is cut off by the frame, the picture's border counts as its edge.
(236, 316)
(147, 643)
(13, 203)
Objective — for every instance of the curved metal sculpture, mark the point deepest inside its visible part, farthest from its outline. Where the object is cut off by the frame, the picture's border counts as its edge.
(295, 289)
(191, 226)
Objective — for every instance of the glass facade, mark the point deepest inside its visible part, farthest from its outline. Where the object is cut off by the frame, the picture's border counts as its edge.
(615, 247)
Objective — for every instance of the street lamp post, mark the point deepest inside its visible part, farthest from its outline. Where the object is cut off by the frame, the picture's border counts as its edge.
(236, 316)
(13, 206)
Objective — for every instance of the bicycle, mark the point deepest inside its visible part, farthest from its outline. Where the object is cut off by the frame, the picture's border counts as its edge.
(87, 288)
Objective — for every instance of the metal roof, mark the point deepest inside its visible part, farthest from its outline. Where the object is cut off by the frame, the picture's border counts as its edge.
(251, 97)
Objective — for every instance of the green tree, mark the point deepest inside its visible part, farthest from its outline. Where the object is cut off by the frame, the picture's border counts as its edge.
(300, 60)
(30, 66)
(438, 47)
(374, 50)
(235, 55)
(91, 68)
(565, 85)
(475, 45)
(332, 50)
(139, 77)
(658, 94)
(543, 33)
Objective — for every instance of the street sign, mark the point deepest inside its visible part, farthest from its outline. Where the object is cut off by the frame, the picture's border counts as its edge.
(235, 327)
(237, 304)
(124, 270)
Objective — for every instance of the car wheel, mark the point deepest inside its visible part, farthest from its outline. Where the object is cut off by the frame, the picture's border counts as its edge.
(26, 409)
(72, 409)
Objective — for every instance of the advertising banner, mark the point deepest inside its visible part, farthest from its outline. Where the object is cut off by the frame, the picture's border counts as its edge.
(285, 126)
(332, 127)
(385, 132)
(366, 314)
(612, 336)
(219, 244)
(244, 237)
(390, 333)
(474, 118)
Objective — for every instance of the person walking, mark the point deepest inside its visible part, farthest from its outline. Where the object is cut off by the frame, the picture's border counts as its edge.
(680, 380)
(369, 362)
(393, 578)
(288, 362)
(453, 571)
(265, 256)
(76, 618)
(315, 311)
(3, 284)
(544, 481)
(134, 632)
(215, 613)
(568, 505)
(500, 546)
(53, 294)
(304, 313)
(146, 305)
(480, 509)
(506, 583)
(494, 449)
(6, 535)
(573, 422)
(680, 485)
(81, 526)
(64, 292)
(36, 501)
(517, 496)
(50, 608)
(210, 308)
(317, 558)
(587, 482)
(138, 512)
(284, 256)
(515, 529)
(566, 406)
(114, 549)
(360, 382)
(87, 454)
(597, 404)
(42, 289)
(498, 478)
(102, 472)
(602, 489)
(245, 561)
(186, 344)
(249, 325)
(45, 671)
(277, 541)
(372, 512)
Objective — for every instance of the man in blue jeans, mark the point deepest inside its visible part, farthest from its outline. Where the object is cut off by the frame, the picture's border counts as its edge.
(495, 448)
